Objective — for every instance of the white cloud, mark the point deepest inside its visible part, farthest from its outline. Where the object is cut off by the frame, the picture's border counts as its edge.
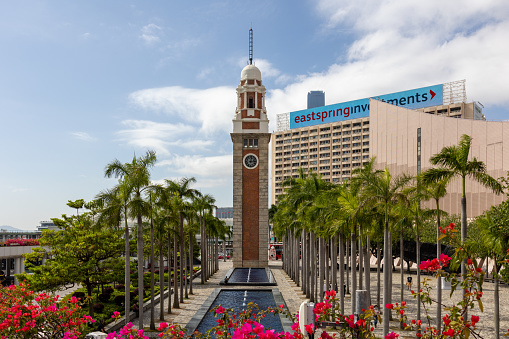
(150, 33)
(404, 45)
(195, 165)
(85, 36)
(211, 109)
(83, 136)
(160, 136)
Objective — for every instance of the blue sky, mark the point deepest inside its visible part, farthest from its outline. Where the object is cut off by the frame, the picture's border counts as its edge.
(83, 83)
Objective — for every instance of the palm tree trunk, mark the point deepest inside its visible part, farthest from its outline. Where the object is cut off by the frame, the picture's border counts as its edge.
(321, 268)
(348, 268)
(341, 274)
(301, 259)
(203, 252)
(391, 266)
(353, 258)
(378, 262)
(418, 241)
(496, 305)
(152, 278)
(464, 237)
(161, 280)
(140, 270)
(327, 265)
(401, 271)
(127, 280)
(367, 268)
(439, 282)
(313, 268)
(297, 260)
(181, 257)
(169, 273)
(175, 274)
(186, 256)
(224, 249)
(305, 265)
(216, 256)
(191, 262)
(361, 262)
(387, 273)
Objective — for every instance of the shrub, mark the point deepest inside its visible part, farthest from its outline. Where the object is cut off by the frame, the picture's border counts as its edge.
(104, 297)
(98, 307)
(119, 299)
(133, 295)
(120, 287)
(108, 289)
(79, 295)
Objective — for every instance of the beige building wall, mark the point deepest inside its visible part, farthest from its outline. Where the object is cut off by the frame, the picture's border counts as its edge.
(393, 140)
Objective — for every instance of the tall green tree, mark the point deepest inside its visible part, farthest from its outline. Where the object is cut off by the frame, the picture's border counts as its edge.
(183, 194)
(493, 240)
(203, 205)
(136, 174)
(115, 209)
(79, 253)
(387, 191)
(454, 162)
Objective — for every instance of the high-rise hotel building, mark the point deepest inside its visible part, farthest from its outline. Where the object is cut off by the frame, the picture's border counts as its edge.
(334, 140)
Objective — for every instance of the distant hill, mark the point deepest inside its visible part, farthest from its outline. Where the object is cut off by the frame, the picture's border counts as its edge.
(10, 228)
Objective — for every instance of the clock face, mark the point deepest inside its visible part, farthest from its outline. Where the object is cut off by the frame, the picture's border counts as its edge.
(250, 161)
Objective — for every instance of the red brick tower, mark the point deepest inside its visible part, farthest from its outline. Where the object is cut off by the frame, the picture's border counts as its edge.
(250, 139)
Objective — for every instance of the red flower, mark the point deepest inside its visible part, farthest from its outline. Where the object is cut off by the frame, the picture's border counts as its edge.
(474, 319)
(469, 261)
(389, 306)
(220, 310)
(450, 332)
(451, 226)
(478, 270)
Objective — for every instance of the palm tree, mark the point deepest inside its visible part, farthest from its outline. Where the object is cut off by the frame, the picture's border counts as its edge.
(455, 163)
(437, 191)
(183, 192)
(494, 240)
(203, 205)
(115, 208)
(137, 175)
(387, 191)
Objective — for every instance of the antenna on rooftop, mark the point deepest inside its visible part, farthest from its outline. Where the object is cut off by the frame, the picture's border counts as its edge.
(251, 46)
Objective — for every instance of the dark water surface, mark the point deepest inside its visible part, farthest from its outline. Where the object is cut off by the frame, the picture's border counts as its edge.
(238, 300)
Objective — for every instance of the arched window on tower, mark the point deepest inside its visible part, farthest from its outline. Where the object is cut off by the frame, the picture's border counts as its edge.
(251, 102)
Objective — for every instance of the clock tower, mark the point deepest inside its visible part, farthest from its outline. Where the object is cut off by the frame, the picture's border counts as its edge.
(250, 139)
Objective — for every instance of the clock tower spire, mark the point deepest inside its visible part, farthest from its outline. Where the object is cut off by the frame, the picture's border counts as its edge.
(250, 139)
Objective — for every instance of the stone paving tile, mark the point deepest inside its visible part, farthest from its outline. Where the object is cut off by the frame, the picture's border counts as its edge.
(293, 297)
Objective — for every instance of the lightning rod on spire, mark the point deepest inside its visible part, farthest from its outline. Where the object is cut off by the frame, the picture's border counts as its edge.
(251, 46)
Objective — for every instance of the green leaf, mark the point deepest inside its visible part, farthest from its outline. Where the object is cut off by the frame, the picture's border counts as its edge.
(480, 305)
(442, 236)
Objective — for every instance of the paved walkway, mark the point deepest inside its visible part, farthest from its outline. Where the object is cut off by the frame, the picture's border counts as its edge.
(294, 297)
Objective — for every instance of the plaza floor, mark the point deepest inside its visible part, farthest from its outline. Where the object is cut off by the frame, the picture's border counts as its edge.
(294, 297)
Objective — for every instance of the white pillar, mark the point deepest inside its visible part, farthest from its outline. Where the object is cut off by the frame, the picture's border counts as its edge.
(17, 269)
